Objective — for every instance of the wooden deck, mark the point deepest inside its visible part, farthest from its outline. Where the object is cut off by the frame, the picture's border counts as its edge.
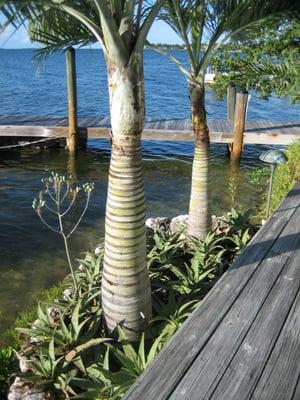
(258, 132)
(243, 341)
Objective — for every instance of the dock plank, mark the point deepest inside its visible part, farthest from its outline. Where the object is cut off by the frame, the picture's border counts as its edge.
(246, 310)
(296, 394)
(178, 356)
(283, 362)
(256, 132)
(212, 362)
(244, 370)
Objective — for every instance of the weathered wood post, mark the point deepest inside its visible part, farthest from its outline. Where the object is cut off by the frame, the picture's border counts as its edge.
(231, 95)
(72, 100)
(239, 126)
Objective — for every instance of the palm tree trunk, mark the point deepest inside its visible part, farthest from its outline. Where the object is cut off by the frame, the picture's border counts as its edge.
(198, 210)
(126, 294)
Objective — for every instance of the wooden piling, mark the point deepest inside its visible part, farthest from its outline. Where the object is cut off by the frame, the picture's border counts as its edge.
(236, 147)
(231, 95)
(72, 101)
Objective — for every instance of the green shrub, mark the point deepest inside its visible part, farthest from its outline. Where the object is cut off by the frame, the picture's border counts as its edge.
(7, 367)
(72, 354)
(286, 175)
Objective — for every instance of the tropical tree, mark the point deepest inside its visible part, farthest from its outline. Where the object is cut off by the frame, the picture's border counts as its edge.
(203, 25)
(121, 28)
(268, 63)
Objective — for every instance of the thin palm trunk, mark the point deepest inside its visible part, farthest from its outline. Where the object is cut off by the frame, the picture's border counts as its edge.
(126, 294)
(199, 204)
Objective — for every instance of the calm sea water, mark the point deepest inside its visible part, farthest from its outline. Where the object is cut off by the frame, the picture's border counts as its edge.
(32, 257)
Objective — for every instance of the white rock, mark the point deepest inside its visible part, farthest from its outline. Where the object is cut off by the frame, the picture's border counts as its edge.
(53, 312)
(178, 223)
(81, 267)
(149, 222)
(24, 364)
(68, 293)
(98, 251)
(21, 390)
(159, 225)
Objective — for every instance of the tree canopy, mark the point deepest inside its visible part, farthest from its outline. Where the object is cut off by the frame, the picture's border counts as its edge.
(268, 63)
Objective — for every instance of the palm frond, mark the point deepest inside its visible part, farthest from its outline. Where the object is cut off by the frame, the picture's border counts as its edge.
(53, 34)
(212, 22)
(121, 26)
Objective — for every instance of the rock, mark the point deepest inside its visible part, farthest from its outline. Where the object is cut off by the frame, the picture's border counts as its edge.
(179, 223)
(22, 390)
(81, 267)
(158, 225)
(220, 224)
(98, 251)
(53, 314)
(24, 358)
(68, 293)
(24, 364)
(34, 340)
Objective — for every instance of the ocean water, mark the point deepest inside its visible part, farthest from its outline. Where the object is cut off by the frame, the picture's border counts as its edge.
(32, 257)
(29, 87)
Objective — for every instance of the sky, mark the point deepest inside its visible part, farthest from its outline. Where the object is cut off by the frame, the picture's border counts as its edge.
(9, 39)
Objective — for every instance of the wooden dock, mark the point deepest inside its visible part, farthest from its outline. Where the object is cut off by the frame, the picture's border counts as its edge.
(243, 341)
(257, 132)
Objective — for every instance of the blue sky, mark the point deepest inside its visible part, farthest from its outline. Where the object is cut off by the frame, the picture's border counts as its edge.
(160, 33)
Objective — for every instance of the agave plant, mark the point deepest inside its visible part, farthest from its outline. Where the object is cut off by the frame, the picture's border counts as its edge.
(89, 276)
(206, 259)
(165, 248)
(240, 221)
(69, 350)
(132, 362)
(171, 313)
(63, 337)
(240, 241)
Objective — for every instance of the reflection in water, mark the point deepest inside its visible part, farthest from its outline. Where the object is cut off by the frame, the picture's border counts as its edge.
(72, 168)
(33, 258)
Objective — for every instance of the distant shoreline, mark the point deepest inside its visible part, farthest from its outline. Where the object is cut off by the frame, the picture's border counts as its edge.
(162, 47)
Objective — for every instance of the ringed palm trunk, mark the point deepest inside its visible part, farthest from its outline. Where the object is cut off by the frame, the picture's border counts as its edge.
(126, 294)
(198, 209)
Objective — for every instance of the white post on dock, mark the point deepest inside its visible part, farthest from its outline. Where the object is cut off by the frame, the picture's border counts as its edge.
(72, 101)
(239, 126)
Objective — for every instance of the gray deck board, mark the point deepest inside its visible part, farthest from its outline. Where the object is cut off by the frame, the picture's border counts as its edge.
(260, 132)
(243, 372)
(213, 362)
(283, 361)
(296, 394)
(234, 344)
